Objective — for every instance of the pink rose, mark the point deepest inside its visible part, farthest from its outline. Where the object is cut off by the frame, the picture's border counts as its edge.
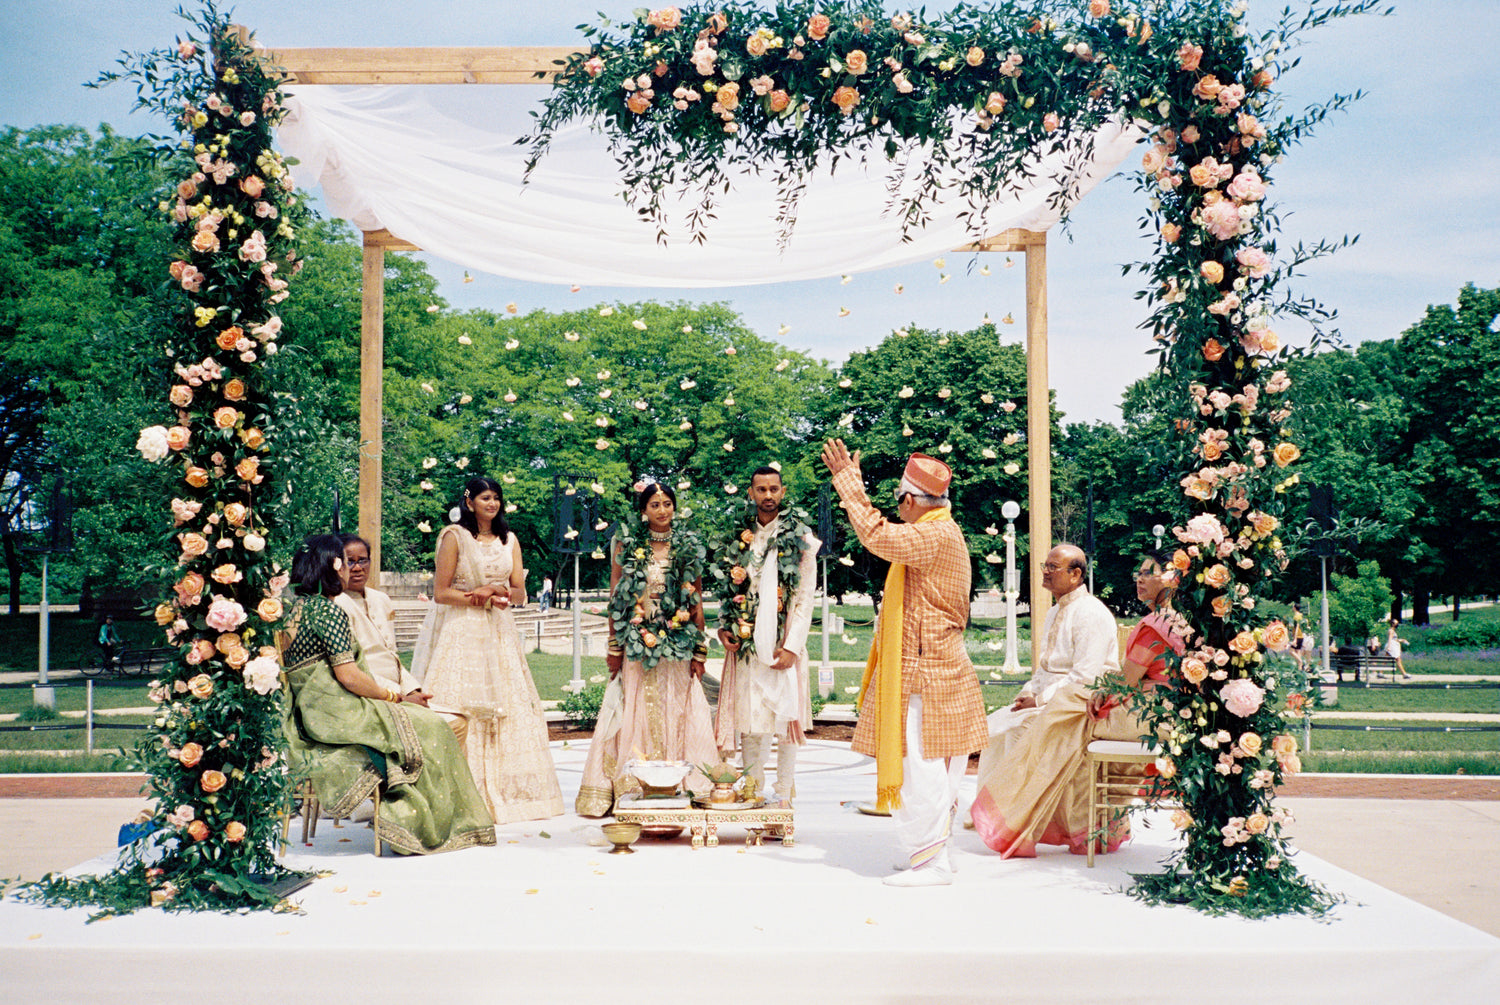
(1253, 262)
(1222, 220)
(778, 100)
(192, 544)
(664, 19)
(1247, 186)
(1050, 122)
(1242, 697)
(186, 50)
(252, 186)
(225, 615)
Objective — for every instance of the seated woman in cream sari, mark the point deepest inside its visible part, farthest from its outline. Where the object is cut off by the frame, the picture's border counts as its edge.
(349, 733)
(1039, 793)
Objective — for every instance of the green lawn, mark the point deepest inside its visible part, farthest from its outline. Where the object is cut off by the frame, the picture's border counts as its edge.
(1353, 698)
(1463, 739)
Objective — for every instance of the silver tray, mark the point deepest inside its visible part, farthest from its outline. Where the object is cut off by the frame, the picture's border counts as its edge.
(753, 804)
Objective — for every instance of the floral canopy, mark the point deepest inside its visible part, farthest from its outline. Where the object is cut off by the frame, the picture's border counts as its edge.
(391, 159)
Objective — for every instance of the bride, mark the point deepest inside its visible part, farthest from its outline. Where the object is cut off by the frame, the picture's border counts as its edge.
(476, 661)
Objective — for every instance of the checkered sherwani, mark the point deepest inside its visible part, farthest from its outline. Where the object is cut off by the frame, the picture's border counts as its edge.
(934, 662)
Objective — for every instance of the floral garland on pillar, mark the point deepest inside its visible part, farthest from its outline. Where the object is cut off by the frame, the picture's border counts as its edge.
(688, 94)
(215, 755)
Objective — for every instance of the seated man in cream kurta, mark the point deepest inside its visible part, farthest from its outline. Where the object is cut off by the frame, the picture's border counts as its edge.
(372, 616)
(1078, 641)
(765, 692)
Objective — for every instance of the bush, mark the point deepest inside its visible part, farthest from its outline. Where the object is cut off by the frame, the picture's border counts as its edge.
(1471, 634)
(38, 713)
(582, 707)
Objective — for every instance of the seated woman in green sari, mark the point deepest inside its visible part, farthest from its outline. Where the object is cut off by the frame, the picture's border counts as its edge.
(350, 733)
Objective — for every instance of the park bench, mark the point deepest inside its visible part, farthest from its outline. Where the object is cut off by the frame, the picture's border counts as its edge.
(145, 660)
(1360, 661)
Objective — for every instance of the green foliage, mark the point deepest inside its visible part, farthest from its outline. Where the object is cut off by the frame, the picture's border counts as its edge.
(955, 395)
(1358, 604)
(38, 713)
(1466, 634)
(582, 706)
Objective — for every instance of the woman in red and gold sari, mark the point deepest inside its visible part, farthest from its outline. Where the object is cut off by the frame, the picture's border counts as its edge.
(1039, 792)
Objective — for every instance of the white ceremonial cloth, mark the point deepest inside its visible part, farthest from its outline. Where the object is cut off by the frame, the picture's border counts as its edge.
(388, 158)
(1080, 643)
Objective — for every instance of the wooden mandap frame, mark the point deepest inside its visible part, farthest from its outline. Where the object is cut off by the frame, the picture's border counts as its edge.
(538, 65)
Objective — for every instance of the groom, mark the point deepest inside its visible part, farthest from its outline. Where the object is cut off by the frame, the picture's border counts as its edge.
(769, 570)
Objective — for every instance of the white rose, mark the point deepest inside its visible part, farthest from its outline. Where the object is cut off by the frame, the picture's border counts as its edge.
(152, 443)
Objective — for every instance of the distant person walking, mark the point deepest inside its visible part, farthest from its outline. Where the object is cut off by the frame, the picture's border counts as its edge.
(545, 599)
(1393, 644)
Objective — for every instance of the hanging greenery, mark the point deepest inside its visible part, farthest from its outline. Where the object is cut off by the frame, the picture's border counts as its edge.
(215, 754)
(963, 104)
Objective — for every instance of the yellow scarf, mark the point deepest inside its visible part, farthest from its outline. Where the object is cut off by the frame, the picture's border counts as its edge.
(885, 653)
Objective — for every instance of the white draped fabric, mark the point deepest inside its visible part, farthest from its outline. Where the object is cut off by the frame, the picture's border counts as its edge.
(387, 158)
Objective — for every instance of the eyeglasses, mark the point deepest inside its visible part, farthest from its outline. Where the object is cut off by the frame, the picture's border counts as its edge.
(359, 561)
(1054, 567)
(1156, 574)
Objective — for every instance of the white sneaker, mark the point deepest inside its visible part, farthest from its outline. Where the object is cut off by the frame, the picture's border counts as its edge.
(931, 875)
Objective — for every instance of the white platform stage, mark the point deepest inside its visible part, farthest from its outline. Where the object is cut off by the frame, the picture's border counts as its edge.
(557, 919)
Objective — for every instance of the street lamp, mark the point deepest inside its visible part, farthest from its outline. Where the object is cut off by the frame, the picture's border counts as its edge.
(1010, 510)
(1157, 532)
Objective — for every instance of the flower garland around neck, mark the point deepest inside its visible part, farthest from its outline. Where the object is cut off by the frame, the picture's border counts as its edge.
(738, 568)
(668, 632)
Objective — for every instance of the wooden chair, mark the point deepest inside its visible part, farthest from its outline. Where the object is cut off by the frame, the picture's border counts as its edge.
(309, 809)
(1112, 785)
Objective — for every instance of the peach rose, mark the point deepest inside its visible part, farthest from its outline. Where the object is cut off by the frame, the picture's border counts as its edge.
(995, 103)
(1220, 605)
(718, 22)
(1170, 232)
(226, 417)
(1194, 670)
(1216, 576)
(190, 754)
(1181, 560)
(198, 830)
(1243, 643)
(226, 574)
(193, 545)
(206, 241)
(229, 337)
(1256, 823)
(202, 685)
(728, 96)
(846, 98)
(1285, 453)
(227, 641)
(236, 513)
(639, 101)
(269, 609)
(1207, 88)
(189, 589)
(974, 56)
(1283, 744)
(237, 656)
(252, 185)
(196, 477)
(202, 650)
(248, 469)
(234, 832)
(817, 27)
(1189, 56)
(1099, 8)
(664, 19)
(1213, 350)
(1212, 271)
(164, 615)
(1250, 743)
(756, 45)
(1050, 122)
(212, 781)
(235, 390)
(1182, 819)
(181, 395)
(1276, 637)
(253, 438)
(857, 62)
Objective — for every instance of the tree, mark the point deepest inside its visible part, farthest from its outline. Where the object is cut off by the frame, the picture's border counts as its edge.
(1357, 604)
(958, 396)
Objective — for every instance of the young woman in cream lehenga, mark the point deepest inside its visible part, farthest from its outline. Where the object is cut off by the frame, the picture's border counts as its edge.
(474, 661)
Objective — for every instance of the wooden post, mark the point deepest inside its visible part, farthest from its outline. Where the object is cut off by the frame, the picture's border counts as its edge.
(371, 395)
(1038, 435)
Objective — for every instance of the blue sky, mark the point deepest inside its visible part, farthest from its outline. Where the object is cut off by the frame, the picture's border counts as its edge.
(1414, 169)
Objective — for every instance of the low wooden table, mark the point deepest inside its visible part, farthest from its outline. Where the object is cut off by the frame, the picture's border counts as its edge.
(759, 823)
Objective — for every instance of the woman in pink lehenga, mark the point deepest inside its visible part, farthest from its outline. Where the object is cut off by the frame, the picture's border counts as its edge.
(1038, 792)
(654, 707)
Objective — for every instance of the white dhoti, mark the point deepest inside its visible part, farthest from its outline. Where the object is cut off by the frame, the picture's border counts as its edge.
(929, 797)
